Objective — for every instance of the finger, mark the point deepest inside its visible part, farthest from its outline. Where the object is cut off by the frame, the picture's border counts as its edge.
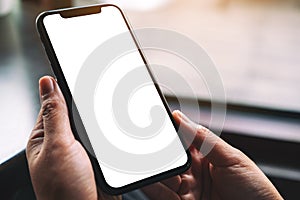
(38, 130)
(216, 150)
(172, 183)
(159, 191)
(206, 180)
(197, 158)
(187, 183)
(36, 137)
(54, 113)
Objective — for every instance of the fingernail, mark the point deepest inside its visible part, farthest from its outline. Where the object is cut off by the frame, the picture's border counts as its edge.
(181, 115)
(177, 112)
(46, 86)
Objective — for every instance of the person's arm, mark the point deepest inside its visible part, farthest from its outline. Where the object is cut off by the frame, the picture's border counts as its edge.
(223, 173)
(59, 166)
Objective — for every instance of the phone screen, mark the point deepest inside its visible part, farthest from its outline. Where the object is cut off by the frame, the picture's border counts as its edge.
(127, 146)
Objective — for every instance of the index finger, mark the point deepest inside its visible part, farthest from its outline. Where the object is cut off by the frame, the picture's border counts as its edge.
(216, 150)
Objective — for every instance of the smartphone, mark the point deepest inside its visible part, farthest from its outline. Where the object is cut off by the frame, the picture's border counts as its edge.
(96, 58)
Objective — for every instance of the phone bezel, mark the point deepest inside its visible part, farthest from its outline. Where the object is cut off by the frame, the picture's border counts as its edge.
(56, 68)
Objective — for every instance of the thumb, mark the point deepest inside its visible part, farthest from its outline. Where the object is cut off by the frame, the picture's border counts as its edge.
(54, 113)
(216, 150)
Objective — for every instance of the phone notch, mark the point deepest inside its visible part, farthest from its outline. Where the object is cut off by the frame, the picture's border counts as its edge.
(80, 11)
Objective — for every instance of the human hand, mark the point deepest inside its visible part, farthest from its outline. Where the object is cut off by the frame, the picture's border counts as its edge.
(224, 173)
(58, 164)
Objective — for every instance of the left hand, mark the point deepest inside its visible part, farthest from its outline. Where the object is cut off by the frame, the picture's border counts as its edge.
(58, 164)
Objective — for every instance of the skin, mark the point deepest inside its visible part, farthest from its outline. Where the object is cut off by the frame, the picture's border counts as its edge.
(60, 168)
(58, 164)
(224, 173)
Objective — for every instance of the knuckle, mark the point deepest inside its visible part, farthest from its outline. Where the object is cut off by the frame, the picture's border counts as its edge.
(202, 130)
(51, 106)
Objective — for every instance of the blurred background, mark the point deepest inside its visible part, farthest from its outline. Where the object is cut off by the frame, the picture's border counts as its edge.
(255, 45)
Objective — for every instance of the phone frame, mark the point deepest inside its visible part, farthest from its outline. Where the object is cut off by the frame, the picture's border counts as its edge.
(56, 68)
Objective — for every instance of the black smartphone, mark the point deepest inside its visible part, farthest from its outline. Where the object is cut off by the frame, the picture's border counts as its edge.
(100, 69)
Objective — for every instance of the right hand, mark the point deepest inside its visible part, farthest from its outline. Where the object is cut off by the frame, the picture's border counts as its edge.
(224, 173)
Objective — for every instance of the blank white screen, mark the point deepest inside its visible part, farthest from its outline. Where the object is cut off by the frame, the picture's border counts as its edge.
(73, 40)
